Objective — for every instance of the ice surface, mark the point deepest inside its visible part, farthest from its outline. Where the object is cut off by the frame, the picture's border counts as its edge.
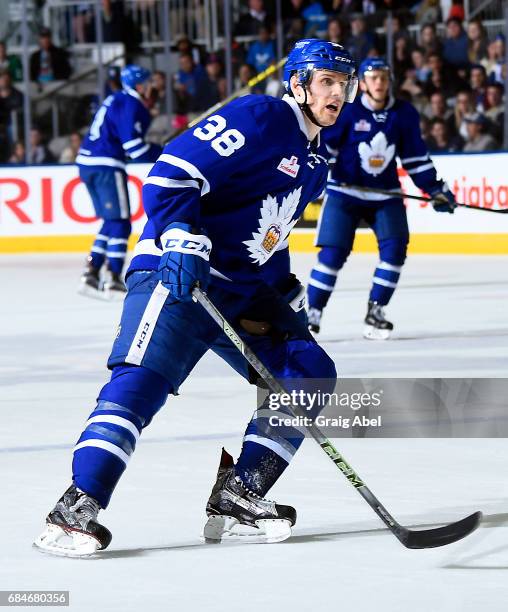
(451, 320)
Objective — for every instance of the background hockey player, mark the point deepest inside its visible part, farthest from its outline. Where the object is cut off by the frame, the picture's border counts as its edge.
(369, 136)
(117, 132)
(221, 201)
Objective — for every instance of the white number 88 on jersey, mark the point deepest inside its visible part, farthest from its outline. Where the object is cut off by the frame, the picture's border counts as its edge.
(224, 142)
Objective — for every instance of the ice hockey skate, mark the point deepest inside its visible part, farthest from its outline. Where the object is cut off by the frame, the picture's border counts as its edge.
(114, 289)
(376, 325)
(90, 282)
(72, 529)
(238, 515)
(314, 319)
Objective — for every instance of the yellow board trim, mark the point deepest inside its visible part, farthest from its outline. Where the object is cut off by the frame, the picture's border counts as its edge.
(51, 244)
(300, 241)
(458, 244)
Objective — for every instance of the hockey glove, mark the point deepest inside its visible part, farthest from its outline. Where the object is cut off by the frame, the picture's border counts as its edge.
(184, 262)
(443, 199)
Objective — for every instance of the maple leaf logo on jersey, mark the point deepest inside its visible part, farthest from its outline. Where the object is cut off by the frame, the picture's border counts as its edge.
(274, 225)
(376, 156)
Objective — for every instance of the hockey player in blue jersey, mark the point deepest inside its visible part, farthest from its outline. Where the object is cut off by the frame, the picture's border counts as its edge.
(117, 132)
(221, 201)
(368, 137)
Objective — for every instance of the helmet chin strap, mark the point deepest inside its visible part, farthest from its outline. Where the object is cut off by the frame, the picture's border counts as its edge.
(372, 97)
(308, 112)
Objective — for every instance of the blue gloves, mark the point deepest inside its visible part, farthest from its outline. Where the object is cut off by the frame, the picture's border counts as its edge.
(184, 262)
(443, 199)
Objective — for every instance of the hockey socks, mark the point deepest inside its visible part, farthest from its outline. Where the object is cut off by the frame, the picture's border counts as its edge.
(260, 467)
(324, 275)
(125, 406)
(384, 282)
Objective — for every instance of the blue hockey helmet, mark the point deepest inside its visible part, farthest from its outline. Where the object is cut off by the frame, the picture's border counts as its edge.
(133, 75)
(373, 63)
(311, 54)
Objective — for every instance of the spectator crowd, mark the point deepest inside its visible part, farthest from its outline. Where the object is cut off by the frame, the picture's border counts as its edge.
(452, 72)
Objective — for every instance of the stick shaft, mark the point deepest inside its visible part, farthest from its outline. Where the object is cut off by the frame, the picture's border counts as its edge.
(274, 386)
(240, 92)
(399, 194)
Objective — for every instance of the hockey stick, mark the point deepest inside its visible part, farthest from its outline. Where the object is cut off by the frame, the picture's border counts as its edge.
(240, 92)
(398, 194)
(428, 538)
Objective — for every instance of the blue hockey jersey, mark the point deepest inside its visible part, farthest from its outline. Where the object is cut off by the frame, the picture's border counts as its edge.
(244, 175)
(117, 131)
(366, 144)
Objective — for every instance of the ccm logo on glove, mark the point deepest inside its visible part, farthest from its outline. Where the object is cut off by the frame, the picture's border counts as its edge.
(182, 240)
(184, 262)
(188, 246)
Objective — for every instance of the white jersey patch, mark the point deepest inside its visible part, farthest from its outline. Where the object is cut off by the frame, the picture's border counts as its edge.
(362, 126)
(289, 166)
(274, 225)
(376, 156)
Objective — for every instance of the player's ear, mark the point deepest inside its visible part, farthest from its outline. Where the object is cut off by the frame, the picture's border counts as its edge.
(297, 89)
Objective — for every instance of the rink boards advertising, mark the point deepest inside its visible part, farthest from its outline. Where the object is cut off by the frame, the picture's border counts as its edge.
(47, 209)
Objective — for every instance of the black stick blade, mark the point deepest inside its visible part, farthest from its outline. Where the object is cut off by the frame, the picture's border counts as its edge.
(440, 536)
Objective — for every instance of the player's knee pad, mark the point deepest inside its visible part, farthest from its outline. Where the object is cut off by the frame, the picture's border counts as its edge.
(137, 389)
(333, 256)
(117, 228)
(393, 250)
(298, 358)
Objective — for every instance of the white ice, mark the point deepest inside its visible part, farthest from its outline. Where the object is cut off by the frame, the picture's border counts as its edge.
(451, 321)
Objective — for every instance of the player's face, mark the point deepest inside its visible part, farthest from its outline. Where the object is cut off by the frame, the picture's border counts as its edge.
(377, 84)
(143, 89)
(326, 95)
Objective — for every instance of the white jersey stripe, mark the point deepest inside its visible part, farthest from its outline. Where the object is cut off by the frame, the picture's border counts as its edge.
(138, 152)
(319, 267)
(115, 420)
(122, 196)
(171, 183)
(277, 448)
(104, 445)
(383, 282)
(191, 170)
(113, 241)
(408, 160)
(362, 195)
(147, 247)
(99, 161)
(419, 169)
(383, 265)
(320, 285)
(147, 324)
(132, 143)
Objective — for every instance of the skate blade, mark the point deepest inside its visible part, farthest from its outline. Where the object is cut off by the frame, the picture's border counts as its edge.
(372, 333)
(88, 291)
(226, 529)
(54, 540)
